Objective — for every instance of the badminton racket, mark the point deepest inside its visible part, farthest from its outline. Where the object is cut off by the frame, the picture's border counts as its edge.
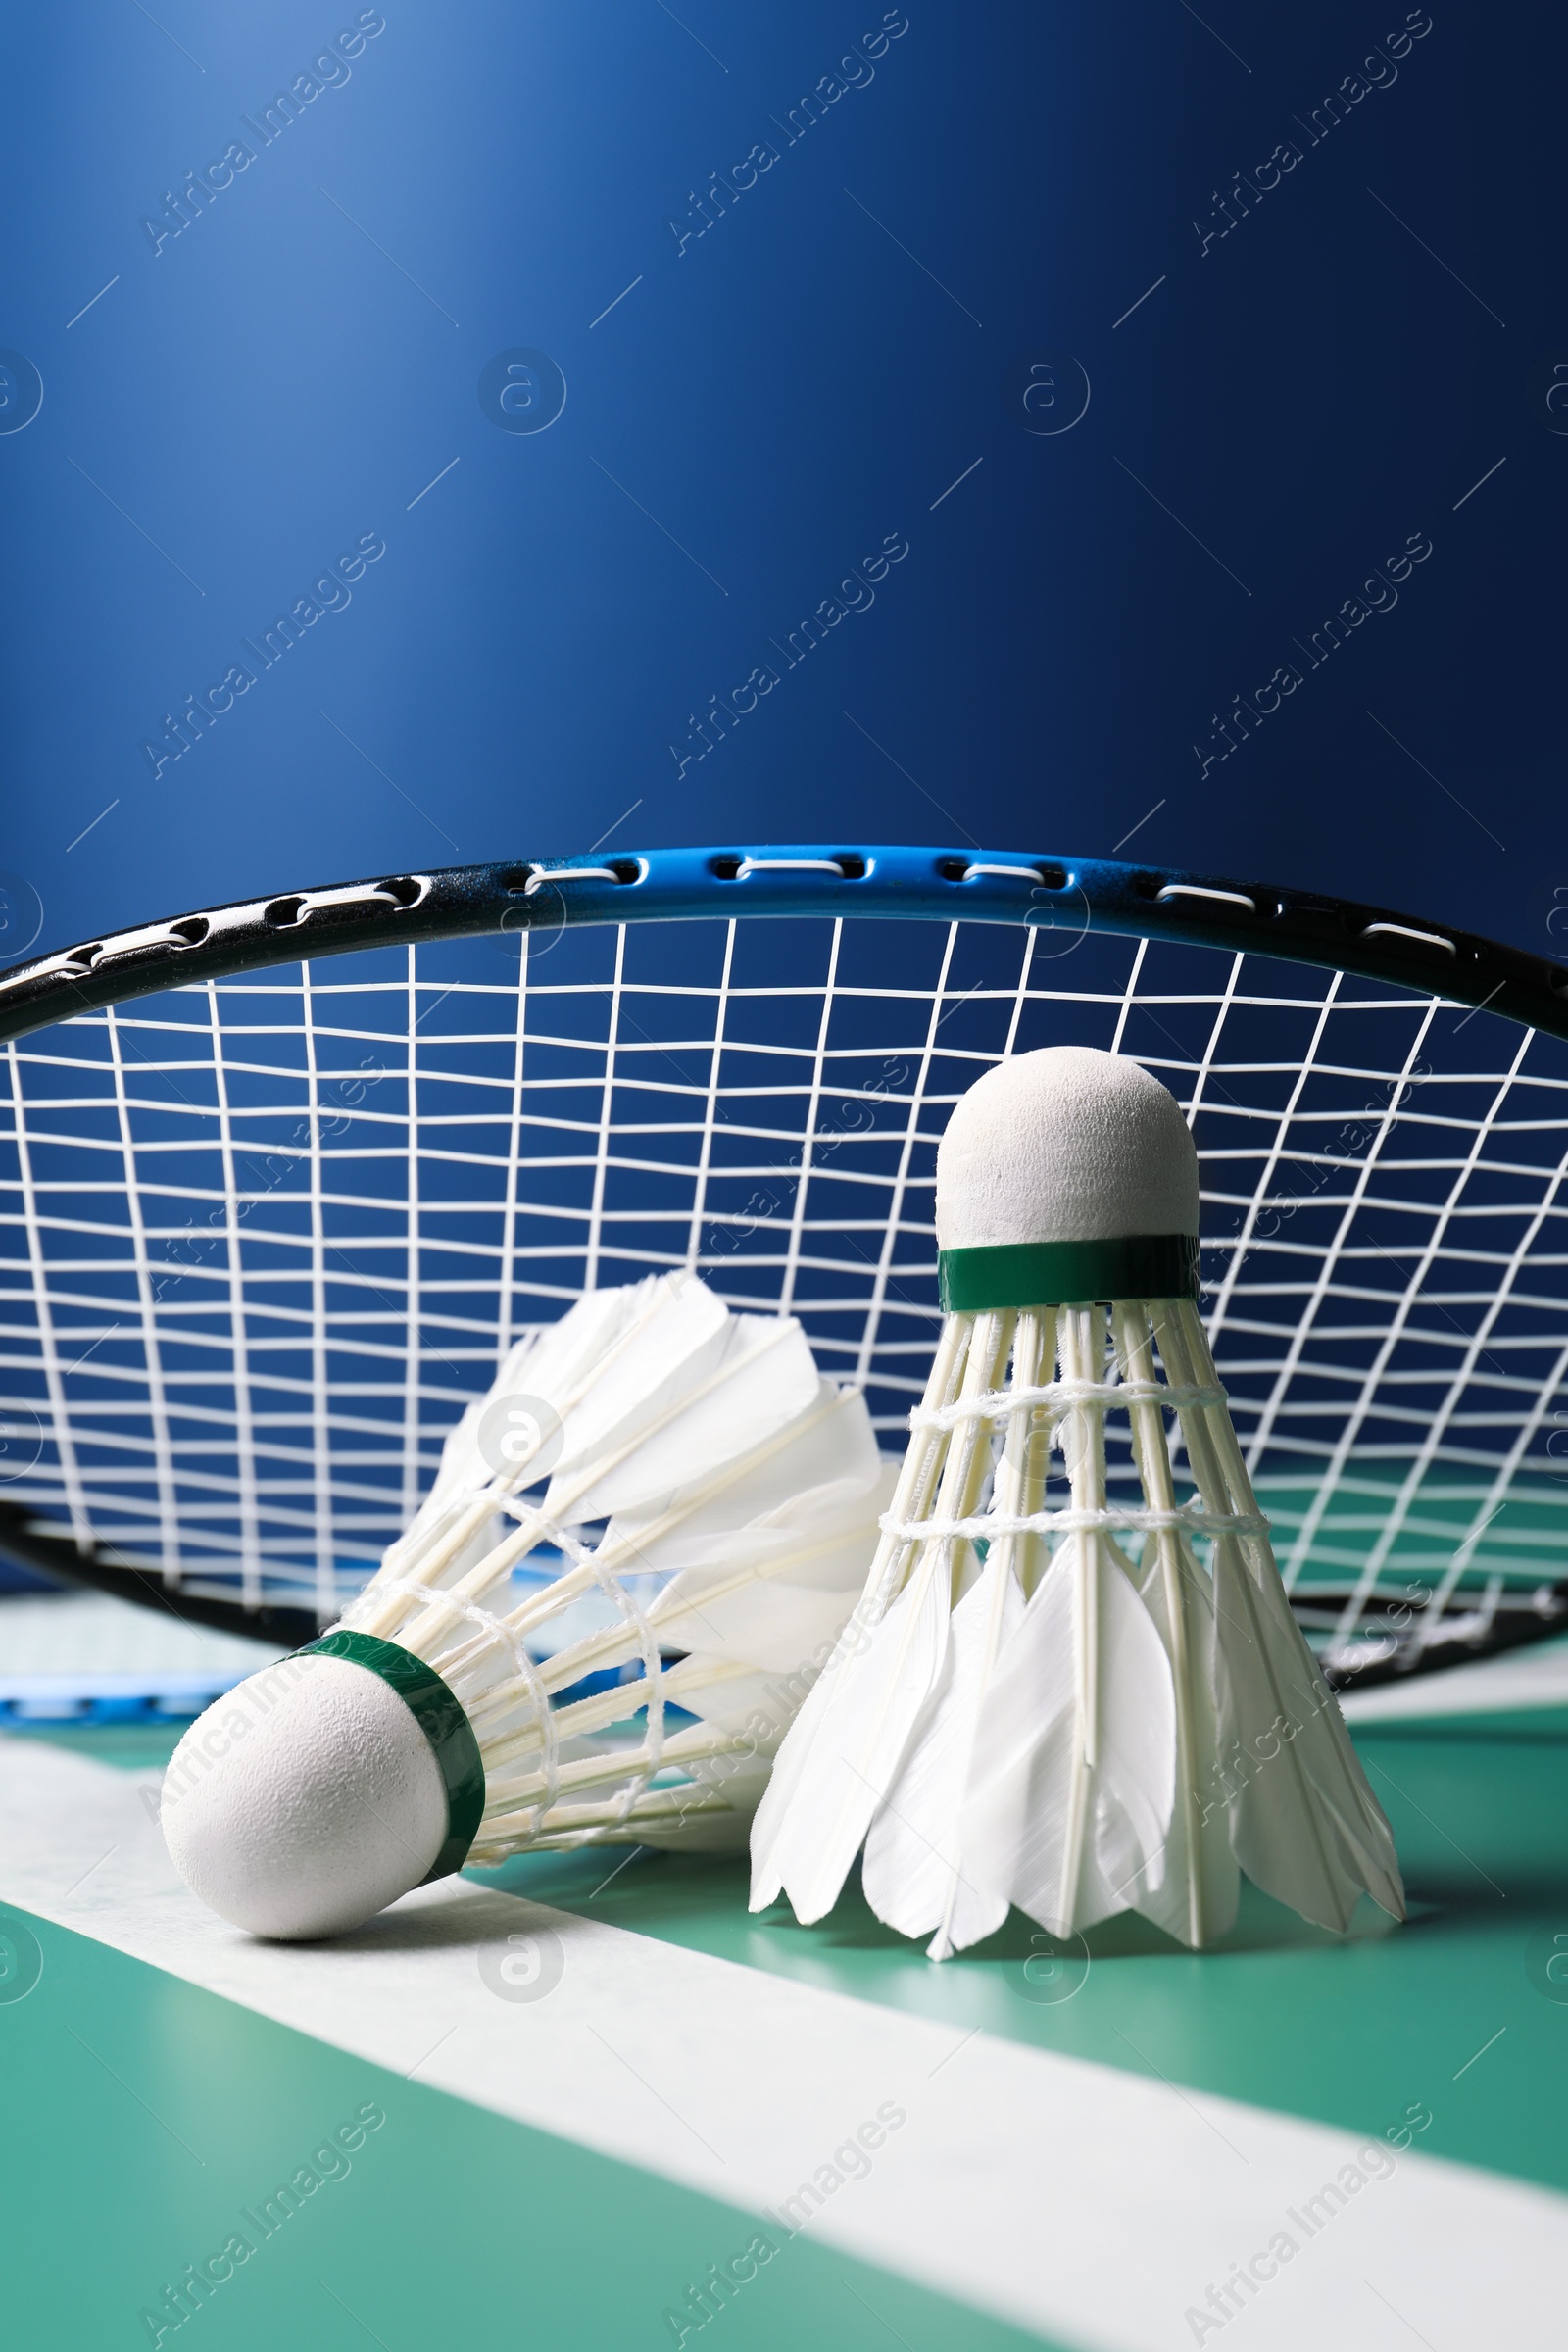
(281, 1182)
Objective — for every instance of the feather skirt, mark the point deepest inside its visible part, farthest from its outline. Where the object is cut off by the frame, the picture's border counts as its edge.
(1067, 1708)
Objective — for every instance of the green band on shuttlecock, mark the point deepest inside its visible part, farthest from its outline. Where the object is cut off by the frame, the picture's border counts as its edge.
(440, 1717)
(1014, 1274)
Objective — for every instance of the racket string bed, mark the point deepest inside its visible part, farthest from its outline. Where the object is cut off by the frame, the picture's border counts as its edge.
(266, 1233)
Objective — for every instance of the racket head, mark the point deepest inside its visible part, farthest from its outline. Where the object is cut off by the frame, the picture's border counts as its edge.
(283, 1180)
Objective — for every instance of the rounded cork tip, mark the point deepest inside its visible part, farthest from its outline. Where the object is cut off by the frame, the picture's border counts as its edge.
(1064, 1145)
(305, 1799)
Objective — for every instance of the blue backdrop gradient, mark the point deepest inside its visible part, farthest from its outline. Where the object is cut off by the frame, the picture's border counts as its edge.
(1292, 376)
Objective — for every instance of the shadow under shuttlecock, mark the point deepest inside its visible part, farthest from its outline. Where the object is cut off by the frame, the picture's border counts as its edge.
(688, 1900)
(428, 1921)
(1466, 1803)
(1372, 2031)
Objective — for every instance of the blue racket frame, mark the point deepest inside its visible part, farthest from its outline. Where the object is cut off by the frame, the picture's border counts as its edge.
(991, 886)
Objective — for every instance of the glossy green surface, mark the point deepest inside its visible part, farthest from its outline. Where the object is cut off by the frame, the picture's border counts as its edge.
(158, 2111)
(128, 1747)
(147, 2122)
(1356, 2030)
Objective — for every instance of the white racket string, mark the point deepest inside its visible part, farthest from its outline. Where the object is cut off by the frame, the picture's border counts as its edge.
(265, 1237)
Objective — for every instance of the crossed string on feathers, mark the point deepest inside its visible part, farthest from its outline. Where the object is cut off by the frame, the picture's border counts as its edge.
(741, 1491)
(1062, 1707)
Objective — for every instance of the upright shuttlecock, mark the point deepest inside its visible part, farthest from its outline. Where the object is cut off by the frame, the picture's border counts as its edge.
(1065, 1708)
(741, 1491)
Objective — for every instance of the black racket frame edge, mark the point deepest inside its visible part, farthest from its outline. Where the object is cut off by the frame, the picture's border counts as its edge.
(61, 1558)
(64, 1561)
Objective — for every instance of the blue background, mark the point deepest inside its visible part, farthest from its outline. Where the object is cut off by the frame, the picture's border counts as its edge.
(757, 413)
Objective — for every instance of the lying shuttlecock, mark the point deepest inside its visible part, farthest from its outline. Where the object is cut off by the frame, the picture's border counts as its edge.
(741, 1491)
(1061, 1707)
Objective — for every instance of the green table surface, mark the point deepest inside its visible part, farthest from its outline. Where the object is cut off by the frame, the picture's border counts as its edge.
(144, 2115)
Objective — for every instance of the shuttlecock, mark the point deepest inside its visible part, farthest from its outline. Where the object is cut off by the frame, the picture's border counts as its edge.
(1065, 1708)
(741, 1491)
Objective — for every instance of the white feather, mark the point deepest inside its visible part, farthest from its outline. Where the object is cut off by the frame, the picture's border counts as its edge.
(705, 1405)
(1197, 1897)
(849, 1740)
(555, 1365)
(847, 1744)
(913, 1875)
(1305, 1825)
(830, 1441)
(1072, 1787)
(777, 1594)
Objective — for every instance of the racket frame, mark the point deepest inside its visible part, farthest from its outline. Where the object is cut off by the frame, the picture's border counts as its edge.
(789, 881)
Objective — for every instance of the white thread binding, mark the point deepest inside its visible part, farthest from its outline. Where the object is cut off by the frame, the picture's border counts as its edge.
(989, 1525)
(999, 1405)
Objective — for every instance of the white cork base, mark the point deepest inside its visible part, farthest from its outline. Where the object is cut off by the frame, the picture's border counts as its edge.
(305, 1799)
